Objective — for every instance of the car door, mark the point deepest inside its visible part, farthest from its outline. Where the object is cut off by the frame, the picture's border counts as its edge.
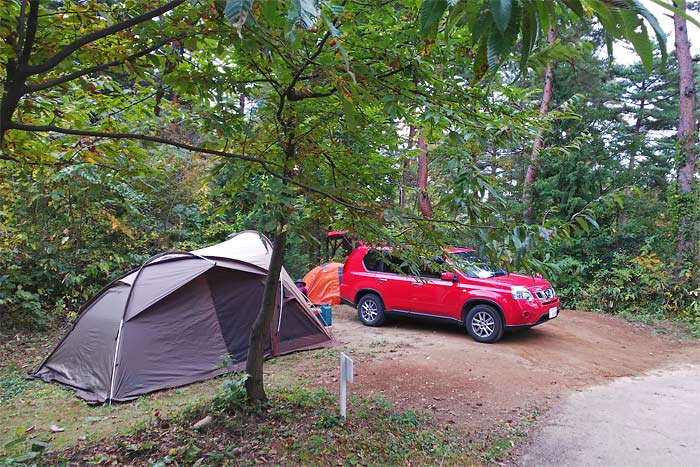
(385, 275)
(434, 296)
(395, 285)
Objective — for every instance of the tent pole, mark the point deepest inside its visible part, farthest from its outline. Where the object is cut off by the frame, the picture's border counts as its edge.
(114, 364)
(121, 323)
(279, 321)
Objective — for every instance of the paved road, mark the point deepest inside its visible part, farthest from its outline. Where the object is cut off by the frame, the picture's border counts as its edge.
(649, 420)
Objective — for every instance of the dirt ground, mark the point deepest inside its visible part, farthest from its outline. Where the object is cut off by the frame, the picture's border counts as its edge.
(438, 369)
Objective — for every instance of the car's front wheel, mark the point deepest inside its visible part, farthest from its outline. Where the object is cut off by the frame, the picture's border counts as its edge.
(484, 324)
(370, 310)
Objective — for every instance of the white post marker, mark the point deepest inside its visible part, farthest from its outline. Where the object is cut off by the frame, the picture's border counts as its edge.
(346, 373)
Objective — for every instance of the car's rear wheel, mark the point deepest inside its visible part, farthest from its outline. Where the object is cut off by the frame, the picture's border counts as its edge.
(484, 324)
(370, 310)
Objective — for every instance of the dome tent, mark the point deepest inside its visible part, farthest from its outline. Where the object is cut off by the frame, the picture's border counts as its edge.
(177, 320)
(323, 283)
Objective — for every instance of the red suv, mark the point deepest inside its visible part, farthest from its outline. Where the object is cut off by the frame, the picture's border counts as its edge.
(464, 289)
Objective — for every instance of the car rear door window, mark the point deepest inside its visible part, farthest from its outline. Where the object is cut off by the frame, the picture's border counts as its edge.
(373, 261)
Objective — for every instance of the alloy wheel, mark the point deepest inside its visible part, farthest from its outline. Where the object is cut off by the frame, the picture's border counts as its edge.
(369, 310)
(483, 324)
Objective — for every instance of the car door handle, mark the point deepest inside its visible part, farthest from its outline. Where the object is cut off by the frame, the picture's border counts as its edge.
(417, 284)
(381, 279)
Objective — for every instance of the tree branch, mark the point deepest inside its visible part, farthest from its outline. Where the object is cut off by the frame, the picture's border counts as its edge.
(127, 107)
(307, 62)
(69, 77)
(20, 29)
(65, 52)
(302, 68)
(5, 157)
(393, 72)
(32, 23)
(132, 136)
(300, 96)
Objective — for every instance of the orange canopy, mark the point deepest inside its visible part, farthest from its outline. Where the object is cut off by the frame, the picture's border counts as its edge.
(323, 283)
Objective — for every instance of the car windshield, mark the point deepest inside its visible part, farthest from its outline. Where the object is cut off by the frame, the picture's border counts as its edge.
(473, 266)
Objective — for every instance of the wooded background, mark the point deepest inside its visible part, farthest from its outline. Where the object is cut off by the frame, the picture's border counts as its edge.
(130, 127)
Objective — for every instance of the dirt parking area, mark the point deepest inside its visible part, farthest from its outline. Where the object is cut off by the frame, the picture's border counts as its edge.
(438, 369)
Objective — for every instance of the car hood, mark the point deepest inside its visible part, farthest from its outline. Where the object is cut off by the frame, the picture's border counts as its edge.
(531, 282)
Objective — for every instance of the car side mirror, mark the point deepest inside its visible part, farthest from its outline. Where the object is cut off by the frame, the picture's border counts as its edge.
(449, 276)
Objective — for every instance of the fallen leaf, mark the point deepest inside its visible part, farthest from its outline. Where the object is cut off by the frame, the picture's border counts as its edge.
(56, 429)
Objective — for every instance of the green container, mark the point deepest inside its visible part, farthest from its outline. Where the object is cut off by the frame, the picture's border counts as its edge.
(326, 315)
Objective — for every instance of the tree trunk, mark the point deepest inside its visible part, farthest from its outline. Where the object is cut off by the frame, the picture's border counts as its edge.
(406, 172)
(538, 144)
(687, 139)
(261, 328)
(426, 209)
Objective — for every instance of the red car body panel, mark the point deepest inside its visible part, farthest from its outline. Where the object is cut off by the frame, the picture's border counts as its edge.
(448, 299)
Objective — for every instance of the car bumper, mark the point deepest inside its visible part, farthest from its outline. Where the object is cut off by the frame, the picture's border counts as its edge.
(532, 314)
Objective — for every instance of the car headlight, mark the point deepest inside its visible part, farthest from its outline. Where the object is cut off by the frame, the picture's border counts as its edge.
(521, 293)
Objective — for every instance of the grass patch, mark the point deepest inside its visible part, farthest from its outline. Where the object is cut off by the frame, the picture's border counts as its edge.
(13, 384)
(299, 427)
(36, 406)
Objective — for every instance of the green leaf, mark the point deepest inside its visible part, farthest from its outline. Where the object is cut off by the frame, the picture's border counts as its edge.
(350, 113)
(235, 8)
(500, 10)
(430, 13)
(494, 45)
(12, 442)
(480, 65)
(575, 6)
(38, 446)
(582, 222)
(303, 13)
(660, 34)
(529, 31)
(331, 27)
(337, 10)
(618, 200)
(591, 221)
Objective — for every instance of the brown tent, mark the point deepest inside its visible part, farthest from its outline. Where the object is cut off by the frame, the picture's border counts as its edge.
(180, 318)
(323, 283)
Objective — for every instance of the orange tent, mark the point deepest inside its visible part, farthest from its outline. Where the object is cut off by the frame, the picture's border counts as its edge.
(323, 283)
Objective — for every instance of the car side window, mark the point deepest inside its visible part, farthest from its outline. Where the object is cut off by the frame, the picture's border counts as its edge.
(373, 261)
(430, 271)
(383, 262)
(394, 265)
(432, 268)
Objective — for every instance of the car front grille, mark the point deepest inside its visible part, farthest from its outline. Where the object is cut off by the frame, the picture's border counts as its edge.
(546, 294)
